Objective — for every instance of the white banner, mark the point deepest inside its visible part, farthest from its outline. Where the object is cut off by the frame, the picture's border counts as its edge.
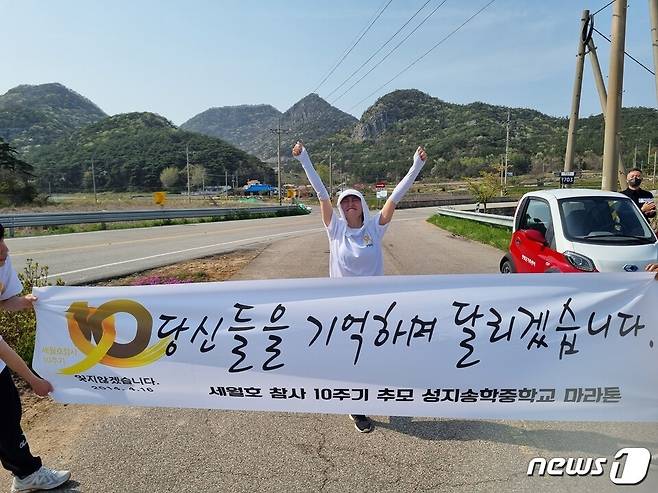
(546, 346)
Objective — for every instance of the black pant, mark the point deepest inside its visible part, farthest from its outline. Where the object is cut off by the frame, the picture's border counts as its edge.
(15, 452)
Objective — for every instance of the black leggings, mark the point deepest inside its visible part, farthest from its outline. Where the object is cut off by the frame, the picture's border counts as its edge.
(15, 452)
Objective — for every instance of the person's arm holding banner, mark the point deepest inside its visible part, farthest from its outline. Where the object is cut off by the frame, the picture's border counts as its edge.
(420, 157)
(300, 154)
(40, 386)
(17, 303)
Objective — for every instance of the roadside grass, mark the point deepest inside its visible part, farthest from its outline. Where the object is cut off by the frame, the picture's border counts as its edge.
(125, 200)
(496, 236)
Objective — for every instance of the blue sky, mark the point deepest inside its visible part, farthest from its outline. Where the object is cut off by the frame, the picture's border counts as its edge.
(179, 58)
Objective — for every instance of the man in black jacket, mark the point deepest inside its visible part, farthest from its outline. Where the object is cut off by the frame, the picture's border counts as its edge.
(642, 198)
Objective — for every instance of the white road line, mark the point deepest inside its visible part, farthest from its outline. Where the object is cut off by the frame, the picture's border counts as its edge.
(131, 241)
(245, 240)
(118, 230)
(234, 242)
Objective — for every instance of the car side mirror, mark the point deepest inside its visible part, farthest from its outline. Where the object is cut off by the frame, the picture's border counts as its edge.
(534, 235)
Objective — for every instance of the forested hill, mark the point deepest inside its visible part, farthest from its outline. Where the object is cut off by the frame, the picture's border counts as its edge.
(58, 131)
(34, 115)
(243, 126)
(131, 150)
(249, 127)
(462, 140)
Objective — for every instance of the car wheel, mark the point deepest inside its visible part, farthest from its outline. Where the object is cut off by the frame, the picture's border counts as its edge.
(506, 267)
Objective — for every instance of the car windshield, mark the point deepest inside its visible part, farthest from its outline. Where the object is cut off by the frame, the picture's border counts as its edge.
(604, 220)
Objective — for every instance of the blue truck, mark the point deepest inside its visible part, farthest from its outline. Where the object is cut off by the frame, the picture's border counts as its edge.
(258, 188)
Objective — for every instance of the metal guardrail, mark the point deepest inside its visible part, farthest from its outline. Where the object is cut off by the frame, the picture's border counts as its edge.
(496, 219)
(418, 200)
(11, 221)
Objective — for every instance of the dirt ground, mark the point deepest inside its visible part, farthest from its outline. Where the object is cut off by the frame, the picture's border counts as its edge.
(209, 269)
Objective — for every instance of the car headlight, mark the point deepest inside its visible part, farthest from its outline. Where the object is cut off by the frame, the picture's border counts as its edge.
(579, 261)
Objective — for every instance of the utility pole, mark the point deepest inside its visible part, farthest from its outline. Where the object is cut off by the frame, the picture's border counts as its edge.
(331, 174)
(278, 133)
(506, 150)
(635, 157)
(603, 97)
(226, 182)
(577, 88)
(649, 154)
(615, 88)
(653, 12)
(187, 160)
(93, 178)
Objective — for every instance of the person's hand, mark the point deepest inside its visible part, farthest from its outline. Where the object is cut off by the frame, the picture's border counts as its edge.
(297, 150)
(420, 152)
(648, 207)
(652, 268)
(41, 387)
(25, 302)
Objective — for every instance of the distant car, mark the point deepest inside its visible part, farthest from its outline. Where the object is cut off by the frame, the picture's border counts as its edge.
(579, 230)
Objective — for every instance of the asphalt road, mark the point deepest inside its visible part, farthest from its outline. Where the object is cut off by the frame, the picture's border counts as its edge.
(114, 449)
(85, 257)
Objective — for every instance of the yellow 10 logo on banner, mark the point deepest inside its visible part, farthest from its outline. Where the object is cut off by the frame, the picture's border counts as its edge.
(93, 331)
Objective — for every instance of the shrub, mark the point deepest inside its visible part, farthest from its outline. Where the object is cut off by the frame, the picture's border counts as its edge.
(18, 328)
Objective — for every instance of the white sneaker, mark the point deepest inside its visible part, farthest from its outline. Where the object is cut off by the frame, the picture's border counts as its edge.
(42, 479)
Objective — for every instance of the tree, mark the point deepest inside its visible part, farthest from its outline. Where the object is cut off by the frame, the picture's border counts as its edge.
(9, 161)
(198, 175)
(323, 171)
(486, 188)
(87, 180)
(14, 175)
(169, 177)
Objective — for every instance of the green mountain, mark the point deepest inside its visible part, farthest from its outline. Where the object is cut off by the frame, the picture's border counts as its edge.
(130, 151)
(249, 127)
(31, 116)
(243, 126)
(462, 140)
(59, 131)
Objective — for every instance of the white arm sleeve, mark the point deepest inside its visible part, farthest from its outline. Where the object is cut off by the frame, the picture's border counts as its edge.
(405, 184)
(312, 175)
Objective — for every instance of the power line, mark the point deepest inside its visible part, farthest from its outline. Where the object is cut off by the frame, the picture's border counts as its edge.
(380, 48)
(390, 52)
(424, 54)
(627, 54)
(604, 7)
(353, 46)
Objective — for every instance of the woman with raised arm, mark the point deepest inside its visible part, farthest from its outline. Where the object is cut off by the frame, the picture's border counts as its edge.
(355, 237)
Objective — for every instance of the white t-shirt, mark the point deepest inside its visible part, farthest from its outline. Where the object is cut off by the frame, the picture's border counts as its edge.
(10, 286)
(355, 252)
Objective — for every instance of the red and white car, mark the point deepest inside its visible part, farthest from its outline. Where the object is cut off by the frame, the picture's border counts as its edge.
(579, 230)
